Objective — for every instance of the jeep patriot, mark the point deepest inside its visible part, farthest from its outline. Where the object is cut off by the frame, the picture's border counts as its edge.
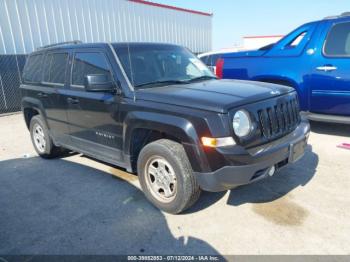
(158, 111)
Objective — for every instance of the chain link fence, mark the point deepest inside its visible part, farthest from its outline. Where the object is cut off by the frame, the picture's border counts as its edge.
(11, 67)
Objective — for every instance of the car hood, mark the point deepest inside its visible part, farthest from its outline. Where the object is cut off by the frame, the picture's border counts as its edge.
(213, 95)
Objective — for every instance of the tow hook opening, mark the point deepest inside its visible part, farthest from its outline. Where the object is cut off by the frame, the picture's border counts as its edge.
(271, 171)
(260, 174)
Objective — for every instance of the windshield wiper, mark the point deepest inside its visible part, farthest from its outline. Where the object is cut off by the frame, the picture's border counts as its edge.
(202, 78)
(160, 83)
(175, 82)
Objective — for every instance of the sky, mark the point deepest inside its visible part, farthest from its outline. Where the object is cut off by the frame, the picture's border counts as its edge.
(237, 18)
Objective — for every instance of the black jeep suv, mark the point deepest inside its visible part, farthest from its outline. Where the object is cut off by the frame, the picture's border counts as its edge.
(158, 111)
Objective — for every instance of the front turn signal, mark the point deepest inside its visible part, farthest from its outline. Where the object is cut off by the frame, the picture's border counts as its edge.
(217, 142)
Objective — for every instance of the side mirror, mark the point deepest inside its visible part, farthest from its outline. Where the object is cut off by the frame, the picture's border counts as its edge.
(98, 83)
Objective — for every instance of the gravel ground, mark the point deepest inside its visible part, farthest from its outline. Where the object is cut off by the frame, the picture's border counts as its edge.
(75, 205)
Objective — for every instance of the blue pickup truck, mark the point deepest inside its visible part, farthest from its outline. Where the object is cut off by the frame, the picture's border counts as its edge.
(314, 59)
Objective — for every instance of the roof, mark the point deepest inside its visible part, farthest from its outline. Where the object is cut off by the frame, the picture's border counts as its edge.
(136, 44)
(61, 46)
(171, 7)
(101, 45)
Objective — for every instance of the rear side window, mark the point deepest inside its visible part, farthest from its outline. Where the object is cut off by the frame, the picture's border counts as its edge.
(89, 63)
(214, 59)
(338, 40)
(33, 69)
(47, 64)
(210, 60)
(55, 68)
(205, 59)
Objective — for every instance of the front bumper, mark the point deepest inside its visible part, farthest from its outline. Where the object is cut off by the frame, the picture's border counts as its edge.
(275, 154)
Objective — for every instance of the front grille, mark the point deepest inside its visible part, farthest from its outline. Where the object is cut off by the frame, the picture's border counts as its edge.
(279, 119)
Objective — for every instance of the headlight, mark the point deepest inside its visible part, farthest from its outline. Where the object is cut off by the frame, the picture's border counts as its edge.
(242, 125)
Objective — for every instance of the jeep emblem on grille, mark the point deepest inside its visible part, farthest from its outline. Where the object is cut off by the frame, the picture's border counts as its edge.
(275, 92)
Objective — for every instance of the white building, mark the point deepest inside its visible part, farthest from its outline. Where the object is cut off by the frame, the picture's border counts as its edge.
(256, 42)
(28, 24)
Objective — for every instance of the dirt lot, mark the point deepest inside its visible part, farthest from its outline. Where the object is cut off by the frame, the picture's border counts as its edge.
(75, 205)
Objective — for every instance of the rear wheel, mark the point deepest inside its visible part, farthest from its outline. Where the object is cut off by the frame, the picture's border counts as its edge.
(41, 139)
(166, 176)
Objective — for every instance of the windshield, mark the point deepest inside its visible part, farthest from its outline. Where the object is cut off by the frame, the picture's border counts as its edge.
(150, 65)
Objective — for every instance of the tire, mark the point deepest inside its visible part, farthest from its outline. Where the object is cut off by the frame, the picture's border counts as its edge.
(39, 131)
(164, 162)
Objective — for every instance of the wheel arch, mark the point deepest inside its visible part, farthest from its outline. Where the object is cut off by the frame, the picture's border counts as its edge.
(30, 108)
(287, 81)
(277, 80)
(142, 128)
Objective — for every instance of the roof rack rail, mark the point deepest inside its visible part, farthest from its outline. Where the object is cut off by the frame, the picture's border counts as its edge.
(345, 14)
(337, 16)
(330, 17)
(75, 42)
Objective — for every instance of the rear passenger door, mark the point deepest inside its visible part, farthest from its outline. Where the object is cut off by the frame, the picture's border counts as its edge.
(330, 76)
(93, 116)
(53, 80)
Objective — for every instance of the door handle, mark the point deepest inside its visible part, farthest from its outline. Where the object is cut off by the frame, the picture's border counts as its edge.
(72, 100)
(326, 68)
(42, 95)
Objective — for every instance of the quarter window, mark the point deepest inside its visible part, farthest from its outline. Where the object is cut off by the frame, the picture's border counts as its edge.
(32, 71)
(338, 40)
(55, 68)
(89, 64)
(297, 40)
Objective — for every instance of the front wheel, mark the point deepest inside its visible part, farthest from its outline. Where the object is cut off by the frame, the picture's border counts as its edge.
(166, 176)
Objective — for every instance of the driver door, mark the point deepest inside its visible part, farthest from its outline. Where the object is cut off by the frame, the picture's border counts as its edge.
(93, 117)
